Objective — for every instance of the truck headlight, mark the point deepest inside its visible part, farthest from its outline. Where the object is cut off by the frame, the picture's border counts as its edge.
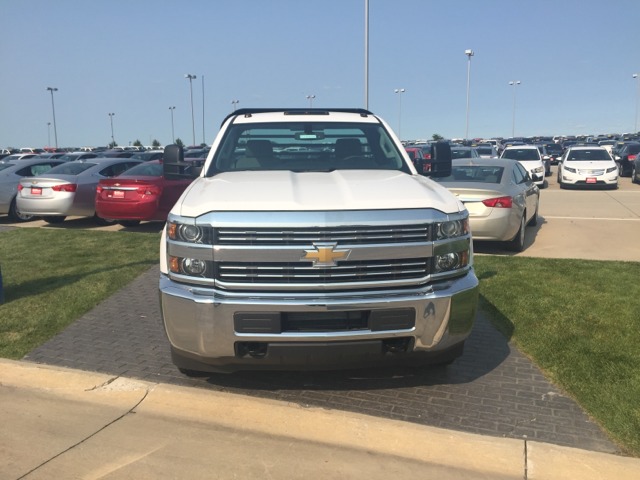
(452, 229)
(538, 170)
(451, 261)
(185, 233)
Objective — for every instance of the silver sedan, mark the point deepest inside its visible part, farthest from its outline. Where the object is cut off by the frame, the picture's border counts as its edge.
(500, 196)
(11, 171)
(68, 189)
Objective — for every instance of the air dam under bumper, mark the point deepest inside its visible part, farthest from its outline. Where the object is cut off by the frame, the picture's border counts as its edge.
(214, 331)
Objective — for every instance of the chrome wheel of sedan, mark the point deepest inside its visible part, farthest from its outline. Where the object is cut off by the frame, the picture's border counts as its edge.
(517, 244)
(15, 215)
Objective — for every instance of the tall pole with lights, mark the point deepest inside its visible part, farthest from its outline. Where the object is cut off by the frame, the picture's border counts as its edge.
(48, 134)
(113, 140)
(173, 135)
(193, 121)
(53, 108)
(366, 54)
(399, 91)
(637, 77)
(469, 54)
(235, 104)
(310, 98)
(514, 84)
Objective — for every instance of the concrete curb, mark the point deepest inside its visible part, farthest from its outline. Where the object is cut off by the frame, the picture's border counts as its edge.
(449, 454)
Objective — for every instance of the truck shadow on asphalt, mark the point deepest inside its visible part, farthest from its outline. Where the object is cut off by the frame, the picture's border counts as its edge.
(485, 350)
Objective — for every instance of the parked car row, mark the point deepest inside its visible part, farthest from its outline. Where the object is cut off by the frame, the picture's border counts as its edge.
(125, 188)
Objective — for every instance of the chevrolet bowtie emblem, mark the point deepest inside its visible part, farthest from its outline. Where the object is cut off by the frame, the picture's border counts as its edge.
(326, 255)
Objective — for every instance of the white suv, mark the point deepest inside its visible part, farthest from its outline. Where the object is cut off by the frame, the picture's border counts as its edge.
(588, 167)
(529, 157)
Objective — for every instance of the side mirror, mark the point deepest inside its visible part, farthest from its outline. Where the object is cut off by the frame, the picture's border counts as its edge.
(439, 165)
(173, 165)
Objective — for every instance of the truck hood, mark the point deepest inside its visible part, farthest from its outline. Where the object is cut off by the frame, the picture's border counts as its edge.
(318, 191)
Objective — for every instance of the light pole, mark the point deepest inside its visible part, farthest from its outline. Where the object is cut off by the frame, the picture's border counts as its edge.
(235, 104)
(366, 54)
(173, 135)
(53, 107)
(637, 77)
(310, 98)
(203, 141)
(469, 54)
(514, 84)
(399, 91)
(193, 121)
(113, 140)
(48, 134)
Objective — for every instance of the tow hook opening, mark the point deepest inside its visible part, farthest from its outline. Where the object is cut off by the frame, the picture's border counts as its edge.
(395, 345)
(252, 349)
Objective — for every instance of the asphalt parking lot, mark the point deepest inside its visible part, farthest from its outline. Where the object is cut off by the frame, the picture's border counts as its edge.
(492, 389)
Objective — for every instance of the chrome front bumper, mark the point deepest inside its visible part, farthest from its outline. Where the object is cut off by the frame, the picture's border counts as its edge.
(202, 326)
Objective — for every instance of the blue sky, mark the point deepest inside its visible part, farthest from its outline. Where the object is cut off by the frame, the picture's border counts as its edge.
(575, 60)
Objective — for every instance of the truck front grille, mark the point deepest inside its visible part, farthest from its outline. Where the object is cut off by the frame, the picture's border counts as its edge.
(305, 273)
(355, 235)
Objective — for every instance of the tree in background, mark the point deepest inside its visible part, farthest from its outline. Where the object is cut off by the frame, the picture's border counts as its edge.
(137, 143)
(179, 142)
(155, 144)
(437, 137)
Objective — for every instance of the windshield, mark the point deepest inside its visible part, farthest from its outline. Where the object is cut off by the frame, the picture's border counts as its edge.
(461, 153)
(71, 168)
(522, 154)
(307, 146)
(585, 155)
(474, 173)
(145, 170)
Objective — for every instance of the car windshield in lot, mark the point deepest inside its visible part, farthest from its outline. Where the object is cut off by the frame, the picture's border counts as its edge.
(582, 155)
(71, 168)
(307, 146)
(522, 154)
(474, 173)
(145, 170)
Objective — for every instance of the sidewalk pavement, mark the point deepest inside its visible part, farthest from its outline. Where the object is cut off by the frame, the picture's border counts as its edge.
(64, 423)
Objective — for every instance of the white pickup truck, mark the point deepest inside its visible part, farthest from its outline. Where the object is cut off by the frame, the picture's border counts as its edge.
(308, 240)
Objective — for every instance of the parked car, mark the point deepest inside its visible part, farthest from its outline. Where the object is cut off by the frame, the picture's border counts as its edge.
(587, 167)
(140, 193)
(68, 189)
(500, 196)
(72, 156)
(635, 170)
(11, 171)
(148, 155)
(19, 156)
(486, 151)
(553, 150)
(625, 156)
(546, 160)
(458, 151)
(530, 158)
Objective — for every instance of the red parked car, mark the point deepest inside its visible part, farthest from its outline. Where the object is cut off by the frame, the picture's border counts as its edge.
(140, 193)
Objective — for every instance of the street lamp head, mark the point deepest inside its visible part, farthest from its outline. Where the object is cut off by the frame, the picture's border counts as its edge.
(52, 89)
(189, 76)
(635, 75)
(399, 90)
(469, 53)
